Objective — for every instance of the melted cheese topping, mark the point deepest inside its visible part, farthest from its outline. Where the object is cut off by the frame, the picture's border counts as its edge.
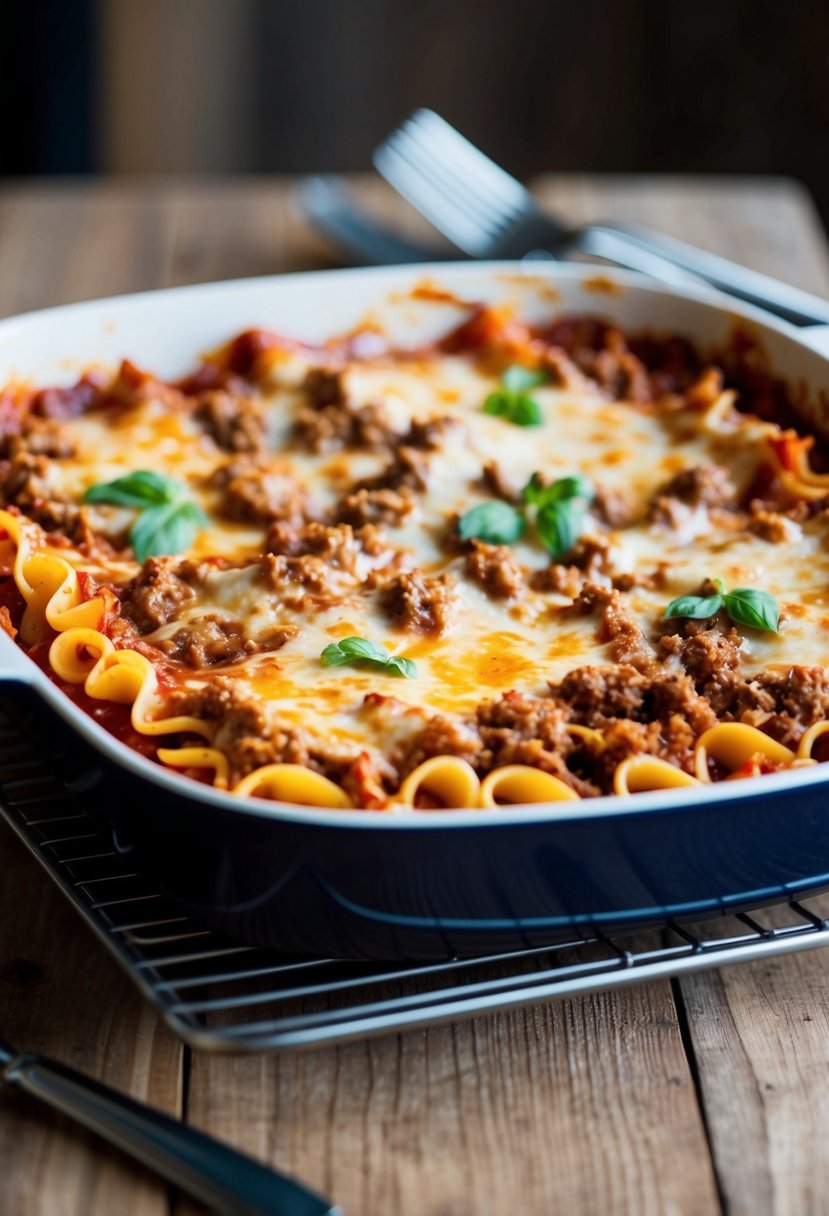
(492, 645)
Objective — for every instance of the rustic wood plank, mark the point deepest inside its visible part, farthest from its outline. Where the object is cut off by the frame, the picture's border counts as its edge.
(586, 1106)
(81, 240)
(760, 1037)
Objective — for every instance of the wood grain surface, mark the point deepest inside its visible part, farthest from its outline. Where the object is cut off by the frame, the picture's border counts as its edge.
(702, 1097)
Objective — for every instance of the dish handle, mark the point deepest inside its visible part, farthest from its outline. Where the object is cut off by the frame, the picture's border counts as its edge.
(816, 336)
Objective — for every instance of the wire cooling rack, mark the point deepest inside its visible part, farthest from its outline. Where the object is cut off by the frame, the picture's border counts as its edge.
(222, 995)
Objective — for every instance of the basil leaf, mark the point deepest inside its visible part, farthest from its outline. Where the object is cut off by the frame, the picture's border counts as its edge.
(495, 522)
(695, 607)
(512, 402)
(358, 648)
(142, 488)
(168, 523)
(354, 650)
(524, 411)
(334, 656)
(517, 379)
(559, 525)
(535, 492)
(575, 486)
(166, 529)
(757, 609)
(497, 404)
(403, 667)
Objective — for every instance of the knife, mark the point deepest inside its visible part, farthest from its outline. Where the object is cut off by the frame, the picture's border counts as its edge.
(222, 1178)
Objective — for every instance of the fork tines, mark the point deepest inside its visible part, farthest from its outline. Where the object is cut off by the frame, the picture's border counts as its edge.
(457, 188)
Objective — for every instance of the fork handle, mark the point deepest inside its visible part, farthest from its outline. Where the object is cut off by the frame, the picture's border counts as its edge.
(617, 241)
(225, 1180)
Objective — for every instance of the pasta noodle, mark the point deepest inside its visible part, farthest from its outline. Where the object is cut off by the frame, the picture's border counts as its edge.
(640, 773)
(806, 746)
(796, 473)
(49, 586)
(519, 783)
(717, 414)
(734, 746)
(292, 783)
(447, 779)
(199, 757)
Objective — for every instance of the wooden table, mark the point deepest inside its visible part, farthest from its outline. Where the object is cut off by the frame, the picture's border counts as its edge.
(705, 1096)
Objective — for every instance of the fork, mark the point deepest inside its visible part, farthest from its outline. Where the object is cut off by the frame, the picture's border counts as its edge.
(488, 214)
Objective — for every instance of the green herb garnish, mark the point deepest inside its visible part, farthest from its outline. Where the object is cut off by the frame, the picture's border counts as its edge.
(495, 522)
(745, 606)
(512, 401)
(168, 521)
(560, 510)
(361, 650)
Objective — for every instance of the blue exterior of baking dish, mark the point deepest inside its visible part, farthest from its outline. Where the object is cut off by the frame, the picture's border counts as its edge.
(432, 889)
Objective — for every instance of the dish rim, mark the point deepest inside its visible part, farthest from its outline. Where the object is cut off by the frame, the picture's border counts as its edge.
(17, 668)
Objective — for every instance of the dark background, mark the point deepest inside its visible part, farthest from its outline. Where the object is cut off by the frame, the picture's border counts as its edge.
(738, 86)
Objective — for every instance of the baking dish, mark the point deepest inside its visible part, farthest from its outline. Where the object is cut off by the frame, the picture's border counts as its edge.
(419, 884)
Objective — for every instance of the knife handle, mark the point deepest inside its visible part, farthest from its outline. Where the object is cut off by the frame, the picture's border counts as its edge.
(617, 241)
(223, 1179)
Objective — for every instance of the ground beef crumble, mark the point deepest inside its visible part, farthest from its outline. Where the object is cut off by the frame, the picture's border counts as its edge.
(251, 733)
(330, 421)
(26, 482)
(495, 482)
(37, 437)
(406, 471)
(212, 639)
(616, 508)
(772, 526)
(360, 507)
(340, 545)
(429, 434)
(248, 733)
(517, 728)
(419, 604)
(253, 492)
(324, 386)
(591, 562)
(159, 591)
(440, 736)
(305, 583)
(709, 656)
(338, 426)
(495, 569)
(704, 486)
(235, 423)
(617, 627)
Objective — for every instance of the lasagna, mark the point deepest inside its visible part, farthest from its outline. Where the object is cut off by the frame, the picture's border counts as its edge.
(521, 563)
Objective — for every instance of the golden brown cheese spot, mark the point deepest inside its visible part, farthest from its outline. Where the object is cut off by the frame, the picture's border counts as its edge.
(498, 661)
(566, 645)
